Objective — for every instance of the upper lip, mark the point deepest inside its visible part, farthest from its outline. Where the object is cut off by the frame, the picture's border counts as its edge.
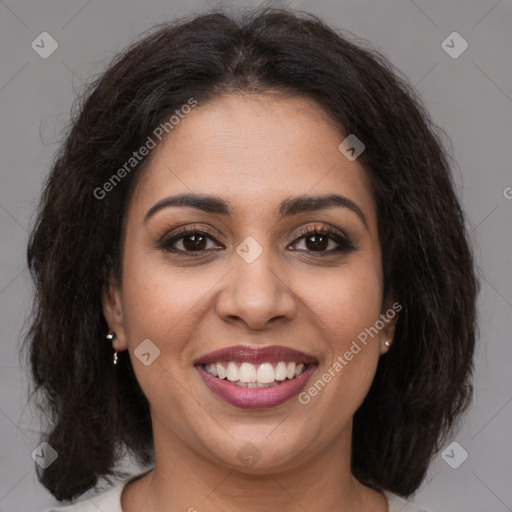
(246, 353)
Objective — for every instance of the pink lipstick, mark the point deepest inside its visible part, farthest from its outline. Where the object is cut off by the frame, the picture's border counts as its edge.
(255, 378)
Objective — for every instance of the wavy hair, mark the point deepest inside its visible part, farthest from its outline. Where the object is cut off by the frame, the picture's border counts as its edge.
(422, 385)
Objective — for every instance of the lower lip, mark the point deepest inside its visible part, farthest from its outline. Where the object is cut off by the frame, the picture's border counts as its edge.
(255, 398)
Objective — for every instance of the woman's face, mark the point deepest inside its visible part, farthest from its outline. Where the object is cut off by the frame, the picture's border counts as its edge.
(247, 273)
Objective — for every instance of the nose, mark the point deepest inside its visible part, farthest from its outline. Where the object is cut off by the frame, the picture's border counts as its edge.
(255, 294)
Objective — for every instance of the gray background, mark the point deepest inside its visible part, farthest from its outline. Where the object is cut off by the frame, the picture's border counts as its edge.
(470, 97)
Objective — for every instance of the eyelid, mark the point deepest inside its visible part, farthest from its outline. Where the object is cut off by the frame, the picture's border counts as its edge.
(184, 230)
(331, 230)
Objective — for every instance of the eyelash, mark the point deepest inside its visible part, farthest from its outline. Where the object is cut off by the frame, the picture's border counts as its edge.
(344, 243)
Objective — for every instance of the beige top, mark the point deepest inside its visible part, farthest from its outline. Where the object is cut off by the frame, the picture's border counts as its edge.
(110, 501)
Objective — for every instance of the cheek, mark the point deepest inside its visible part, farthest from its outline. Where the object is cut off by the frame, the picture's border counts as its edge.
(348, 301)
(163, 303)
(158, 301)
(161, 306)
(348, 306)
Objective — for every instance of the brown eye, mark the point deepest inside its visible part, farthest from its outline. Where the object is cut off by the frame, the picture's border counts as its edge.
(321, 242)
(316, 242)
(324, 242)
(187, 240)
(194, 242)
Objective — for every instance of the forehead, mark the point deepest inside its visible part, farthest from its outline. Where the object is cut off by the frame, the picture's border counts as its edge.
(253, 150)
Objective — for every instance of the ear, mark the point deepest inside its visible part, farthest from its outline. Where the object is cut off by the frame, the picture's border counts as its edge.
(389, 316)
(113, 312)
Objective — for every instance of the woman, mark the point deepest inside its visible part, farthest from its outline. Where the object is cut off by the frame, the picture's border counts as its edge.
(252, 274)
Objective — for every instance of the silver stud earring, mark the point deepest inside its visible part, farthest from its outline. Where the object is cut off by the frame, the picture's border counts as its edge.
(110, 337)
(387, 343)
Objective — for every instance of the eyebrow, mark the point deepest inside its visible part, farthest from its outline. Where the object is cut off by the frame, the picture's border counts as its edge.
(289, 207)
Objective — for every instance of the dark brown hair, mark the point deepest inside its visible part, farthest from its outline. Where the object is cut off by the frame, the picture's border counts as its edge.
(422, 385)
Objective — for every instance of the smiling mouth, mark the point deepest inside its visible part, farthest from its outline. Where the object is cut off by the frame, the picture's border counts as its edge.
(262, 375)
(256, 377)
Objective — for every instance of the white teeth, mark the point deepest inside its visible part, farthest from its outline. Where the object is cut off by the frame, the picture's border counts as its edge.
(266, 373)
(251, 376)
(281, 371)
(221, 371)
(247, 373)
(232, 372)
